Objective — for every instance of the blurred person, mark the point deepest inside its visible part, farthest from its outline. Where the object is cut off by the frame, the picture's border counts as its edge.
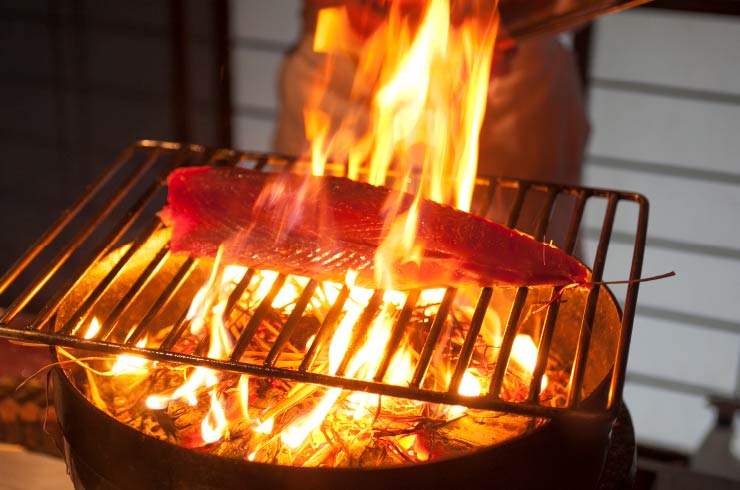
(535, 126)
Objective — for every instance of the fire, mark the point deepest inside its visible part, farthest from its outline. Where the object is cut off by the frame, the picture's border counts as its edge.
(524, 353)
(307, 419)
(93, 329)
(424, 74)
(215, 424)
(208, 309)
(427, 83)
(127, 364)
(427, 79)
(470, 385)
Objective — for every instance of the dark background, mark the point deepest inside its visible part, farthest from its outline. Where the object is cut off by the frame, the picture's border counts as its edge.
(81, 79)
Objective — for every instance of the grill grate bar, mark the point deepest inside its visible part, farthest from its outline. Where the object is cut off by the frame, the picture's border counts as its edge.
(169, 292)
(111, 340)
(512, 323)
(56, 263)
(110, 323)
(487, 202)
(430, 344)
(291, 323)
(466, 353)
(396, 337)
(79, 316)
(548, 329)
(584, 338)
(575, 224)
(550, 320)
(507, 342)
(543, 353)
(62, 223)
(516, 207)
(630, 302)
(504, 355)
(544, 220)
(259, 314)
(237, 293)
(483, 403)
(325, 330)
(203, 345)
(176, 332)
(360, 329)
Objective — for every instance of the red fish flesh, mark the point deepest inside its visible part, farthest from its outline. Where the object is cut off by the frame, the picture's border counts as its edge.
(323, 227)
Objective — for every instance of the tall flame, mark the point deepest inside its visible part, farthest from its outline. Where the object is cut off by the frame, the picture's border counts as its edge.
(208, 309)
(524, 353)
(427, 82)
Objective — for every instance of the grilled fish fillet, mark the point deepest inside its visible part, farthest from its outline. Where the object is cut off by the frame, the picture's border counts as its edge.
(324, 227)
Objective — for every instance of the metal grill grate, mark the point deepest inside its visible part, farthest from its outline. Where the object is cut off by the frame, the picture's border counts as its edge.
(120, 208)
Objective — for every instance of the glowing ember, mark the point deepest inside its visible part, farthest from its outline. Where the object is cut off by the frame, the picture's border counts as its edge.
(214, 425)
(93, 329)
(524, 353)
(266, 426)
(308, 425)
(127, 364)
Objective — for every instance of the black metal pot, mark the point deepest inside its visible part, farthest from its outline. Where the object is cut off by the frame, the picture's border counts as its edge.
(107, 454)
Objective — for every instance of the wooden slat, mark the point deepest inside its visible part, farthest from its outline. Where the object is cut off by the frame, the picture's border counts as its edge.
(688, 354)
(703, 284)
(277, 21)
(679, 207)
(669, 48)
(686, 133)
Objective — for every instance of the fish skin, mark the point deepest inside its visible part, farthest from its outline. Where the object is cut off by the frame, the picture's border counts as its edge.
(321, 227)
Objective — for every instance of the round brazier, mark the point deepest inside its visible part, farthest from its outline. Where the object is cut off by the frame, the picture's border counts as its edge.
(107, 454)
(563, 453)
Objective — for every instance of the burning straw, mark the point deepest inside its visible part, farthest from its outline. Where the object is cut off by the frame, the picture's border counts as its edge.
(274, 421)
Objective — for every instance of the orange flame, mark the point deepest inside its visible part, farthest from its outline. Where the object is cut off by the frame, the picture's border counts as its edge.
(524, 353)
(128, 364)
(214, 424)
(208, 309)
(427, 83)
(430, 82)
(93, 329)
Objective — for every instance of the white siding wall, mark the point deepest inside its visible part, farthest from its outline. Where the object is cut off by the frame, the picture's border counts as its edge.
(665, 107)
(261, 32)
